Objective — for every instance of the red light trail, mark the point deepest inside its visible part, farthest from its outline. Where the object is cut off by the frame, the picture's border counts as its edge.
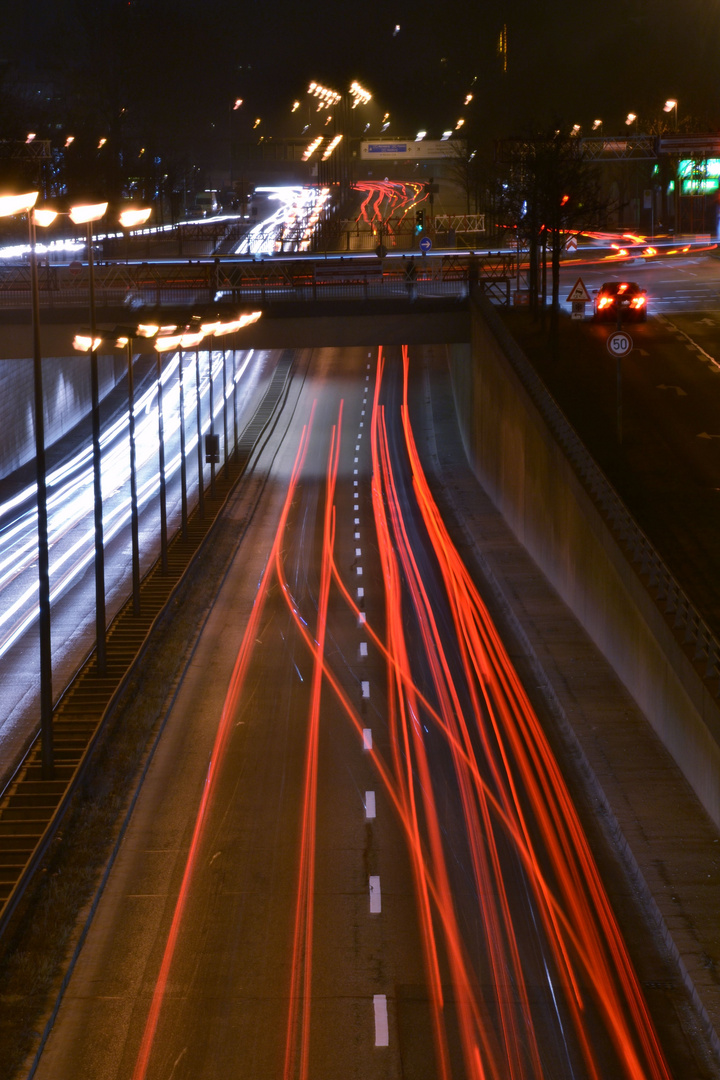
(455, 702)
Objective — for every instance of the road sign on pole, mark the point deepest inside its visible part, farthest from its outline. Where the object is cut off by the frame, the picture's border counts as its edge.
(579, 293)
(425, 244)
(619, 343)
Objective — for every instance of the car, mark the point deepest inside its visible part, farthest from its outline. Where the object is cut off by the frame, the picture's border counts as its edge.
(625, 295)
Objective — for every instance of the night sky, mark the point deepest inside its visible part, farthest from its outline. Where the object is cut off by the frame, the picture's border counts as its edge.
(175, 65)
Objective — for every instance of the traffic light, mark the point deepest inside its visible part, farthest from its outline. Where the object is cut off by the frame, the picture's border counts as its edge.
(419, 221)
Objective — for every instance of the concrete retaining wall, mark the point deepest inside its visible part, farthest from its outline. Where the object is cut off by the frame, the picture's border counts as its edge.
(527, 474)
(66, 388)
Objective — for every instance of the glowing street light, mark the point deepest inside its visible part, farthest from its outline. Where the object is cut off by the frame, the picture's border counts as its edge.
(30, 136)
(597, 124)
(445, 136)
(420, 136)
(630, 118)
(359, 94)
(257, 123)
(131, 219)
(295, 106)
(237, 103)
(101, 143)
(468, 99)
(70, 139)
(671, 105)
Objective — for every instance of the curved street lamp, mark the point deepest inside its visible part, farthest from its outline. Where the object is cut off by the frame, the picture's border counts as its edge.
(11, 205)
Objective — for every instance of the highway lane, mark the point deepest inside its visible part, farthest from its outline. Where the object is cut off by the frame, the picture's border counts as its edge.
(354, 855)
(71, 536)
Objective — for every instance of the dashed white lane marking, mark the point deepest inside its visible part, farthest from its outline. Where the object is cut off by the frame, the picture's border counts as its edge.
(367, 378)
(370, 805)
(361, 618)
(358, 552)
(357, 535)
(359, 434)
(365, 685)
(357, 448)
(367, 738)
(375, 895)
(356, 508)
(363, 648)
(355, 483)
(362, 412)
(368, 367)
(357, 521)
(355, 471)
(362, 423)
(355, 460)
(382, 1034)
(359, 571)
(361, 592)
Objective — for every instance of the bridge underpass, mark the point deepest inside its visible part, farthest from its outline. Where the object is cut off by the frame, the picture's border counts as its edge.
(551, 651)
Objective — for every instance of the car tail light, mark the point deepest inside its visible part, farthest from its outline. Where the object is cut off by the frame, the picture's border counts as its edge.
(603, 301)
(637, 302)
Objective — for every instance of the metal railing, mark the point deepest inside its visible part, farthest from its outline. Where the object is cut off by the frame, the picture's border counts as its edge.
(191, 281)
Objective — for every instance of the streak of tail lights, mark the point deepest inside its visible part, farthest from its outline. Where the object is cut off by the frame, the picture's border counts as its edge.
(391, 201)
(223, 732)
(517, 816)
(299, 1016)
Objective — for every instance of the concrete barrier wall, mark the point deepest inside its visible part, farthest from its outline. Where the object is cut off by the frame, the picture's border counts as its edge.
(526, 472)
(66, 389)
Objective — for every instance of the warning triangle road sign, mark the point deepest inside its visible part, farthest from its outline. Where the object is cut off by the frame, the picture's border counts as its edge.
(579, 292)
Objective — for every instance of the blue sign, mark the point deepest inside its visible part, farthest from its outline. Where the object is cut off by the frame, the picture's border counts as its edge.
(425, 243)
(387, 148)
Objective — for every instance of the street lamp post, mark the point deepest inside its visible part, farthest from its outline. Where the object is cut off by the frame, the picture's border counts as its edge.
(183, 465)
(9, 206)
(211, 454)
(161, 468)
(198, 414)
(86, 215)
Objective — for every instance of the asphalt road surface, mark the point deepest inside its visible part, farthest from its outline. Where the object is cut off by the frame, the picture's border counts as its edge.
(354, 854)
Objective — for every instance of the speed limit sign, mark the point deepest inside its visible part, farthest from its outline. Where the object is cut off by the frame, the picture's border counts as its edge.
(619, 343)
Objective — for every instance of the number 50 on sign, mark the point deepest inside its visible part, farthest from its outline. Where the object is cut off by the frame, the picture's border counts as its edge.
(619, 343)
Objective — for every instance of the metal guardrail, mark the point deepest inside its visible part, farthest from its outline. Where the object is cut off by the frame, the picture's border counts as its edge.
(686, 621)
(214, 280)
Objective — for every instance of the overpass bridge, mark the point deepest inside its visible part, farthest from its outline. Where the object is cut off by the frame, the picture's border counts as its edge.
(225, 281)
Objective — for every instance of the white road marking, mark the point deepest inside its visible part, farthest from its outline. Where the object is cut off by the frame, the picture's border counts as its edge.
(355, 460)
(362, 422)
(363, 648)
(361, 618)
(355, 483)
(357, 535)
(370, 805)
(365, 688)
(375, 895)
(358, 552)
(359, 571)
(359, 434)
(355, 471)
(362, 413)
(382, 1035)
(367, 738)
(356, 508)
(361, 592)
(357, 521)
(357, 448)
